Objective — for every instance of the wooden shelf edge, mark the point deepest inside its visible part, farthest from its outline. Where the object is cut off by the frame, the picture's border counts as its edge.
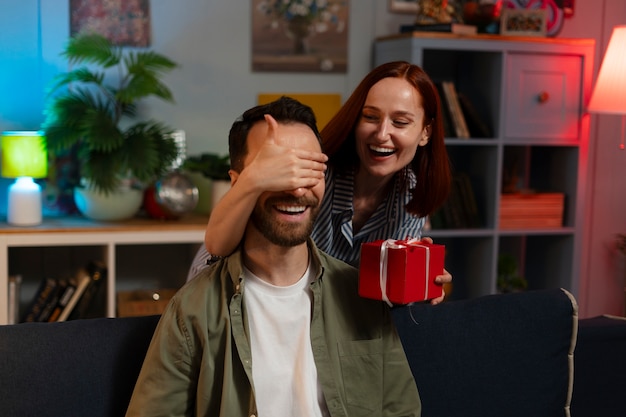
(78, 224)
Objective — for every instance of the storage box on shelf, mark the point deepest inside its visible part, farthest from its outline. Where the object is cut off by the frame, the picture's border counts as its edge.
(530, 94)
(140, 254)
(531, 210)
(143, 302)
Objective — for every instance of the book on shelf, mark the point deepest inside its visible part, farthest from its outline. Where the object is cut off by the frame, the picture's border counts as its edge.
(44, 292)
(53, 300)
(448, 129)
(468, 200)
(452, 101)
(15, 283)
(82, 281)
(453, 27)
(64, 298)
(452, 208)
(89, 304)
(475, 123)
(460, 210)
(86, 283)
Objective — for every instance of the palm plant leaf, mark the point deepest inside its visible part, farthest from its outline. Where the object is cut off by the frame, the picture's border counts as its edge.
(144, 70)
(149, 151)
(143, 85)
(101, 133)
(128, 109)
(69, 110)
(60, 138)
(65, 119)
(101, 168)
(148, 61)
(92, 48)
(81, 75)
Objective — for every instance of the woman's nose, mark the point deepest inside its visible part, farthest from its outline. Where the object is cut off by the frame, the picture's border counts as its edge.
(382, 133)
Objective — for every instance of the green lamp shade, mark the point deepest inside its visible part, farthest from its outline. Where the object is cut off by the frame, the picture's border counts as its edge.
(24, 155)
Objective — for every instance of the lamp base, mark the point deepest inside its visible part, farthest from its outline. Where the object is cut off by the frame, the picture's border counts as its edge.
(24, 203)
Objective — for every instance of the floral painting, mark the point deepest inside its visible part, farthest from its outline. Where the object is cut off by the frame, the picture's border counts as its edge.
(123, 22)
(300, 35)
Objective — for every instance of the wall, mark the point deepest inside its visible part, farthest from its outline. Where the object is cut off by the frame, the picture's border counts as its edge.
(603, 282)
(210, 39)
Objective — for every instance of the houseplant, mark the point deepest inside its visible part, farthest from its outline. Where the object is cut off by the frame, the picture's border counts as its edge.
(509, 279)
(210, 165)
(209, 172)
(91, 110)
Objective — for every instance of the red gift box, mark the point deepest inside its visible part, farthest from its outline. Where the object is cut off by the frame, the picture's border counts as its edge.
(411, 268)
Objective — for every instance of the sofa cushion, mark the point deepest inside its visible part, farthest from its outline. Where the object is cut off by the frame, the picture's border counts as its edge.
(497, 355)
(74, 368)
(600, 367)
(501, 355)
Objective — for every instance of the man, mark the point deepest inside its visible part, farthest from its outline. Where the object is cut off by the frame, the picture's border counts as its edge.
(277, 328)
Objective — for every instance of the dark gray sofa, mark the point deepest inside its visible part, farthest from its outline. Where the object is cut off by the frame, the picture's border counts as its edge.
(500, 355)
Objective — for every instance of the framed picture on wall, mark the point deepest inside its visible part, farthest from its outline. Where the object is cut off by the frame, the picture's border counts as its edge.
(123, 22)
(403, 6)
(291, 36)
(523, 22)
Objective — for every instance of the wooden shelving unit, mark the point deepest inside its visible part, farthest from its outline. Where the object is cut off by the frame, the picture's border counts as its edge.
(139, 253)
(532, 93)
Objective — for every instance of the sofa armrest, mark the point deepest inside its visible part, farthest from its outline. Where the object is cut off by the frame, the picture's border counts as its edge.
(498, 355)
(74, 368)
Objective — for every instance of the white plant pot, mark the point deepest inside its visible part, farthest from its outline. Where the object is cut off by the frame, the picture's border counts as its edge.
(121, 204)
(219, 188)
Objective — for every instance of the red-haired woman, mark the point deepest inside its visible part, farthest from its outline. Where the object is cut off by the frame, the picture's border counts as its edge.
(387, 170)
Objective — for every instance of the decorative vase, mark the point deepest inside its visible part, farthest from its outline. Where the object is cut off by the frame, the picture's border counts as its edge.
(218, 189)
(120, 204)
(204, 186)
(298, 28)
(171, 197)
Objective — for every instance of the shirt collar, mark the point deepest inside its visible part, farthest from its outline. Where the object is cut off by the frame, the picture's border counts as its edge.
(234, 263)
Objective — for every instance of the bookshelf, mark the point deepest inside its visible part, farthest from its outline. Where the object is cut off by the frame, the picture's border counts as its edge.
(139, 253)
(532, 94)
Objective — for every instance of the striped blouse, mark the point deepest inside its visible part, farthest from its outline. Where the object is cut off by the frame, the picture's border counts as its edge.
(333, 229)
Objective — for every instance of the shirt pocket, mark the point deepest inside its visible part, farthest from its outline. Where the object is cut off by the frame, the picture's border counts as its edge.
(361, 364)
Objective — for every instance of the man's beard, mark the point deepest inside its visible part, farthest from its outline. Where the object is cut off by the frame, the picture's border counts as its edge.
(285, 233)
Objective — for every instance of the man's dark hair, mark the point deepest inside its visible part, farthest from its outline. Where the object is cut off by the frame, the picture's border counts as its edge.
(285, 110)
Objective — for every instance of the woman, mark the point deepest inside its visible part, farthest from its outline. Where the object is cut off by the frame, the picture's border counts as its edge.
(387, 169)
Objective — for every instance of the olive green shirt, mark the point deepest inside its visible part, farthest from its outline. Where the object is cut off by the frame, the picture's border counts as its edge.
(199, 361)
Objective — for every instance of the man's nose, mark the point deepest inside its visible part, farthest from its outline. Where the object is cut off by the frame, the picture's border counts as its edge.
(298, 192)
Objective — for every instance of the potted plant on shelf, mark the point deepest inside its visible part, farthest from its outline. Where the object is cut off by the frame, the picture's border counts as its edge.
(90, 110)
(209, 172)
(509, 279)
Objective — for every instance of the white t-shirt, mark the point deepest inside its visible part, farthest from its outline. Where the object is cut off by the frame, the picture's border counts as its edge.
(283, 369)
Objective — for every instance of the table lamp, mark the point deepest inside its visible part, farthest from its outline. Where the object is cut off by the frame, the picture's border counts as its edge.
(24, 157)
(609, 93)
